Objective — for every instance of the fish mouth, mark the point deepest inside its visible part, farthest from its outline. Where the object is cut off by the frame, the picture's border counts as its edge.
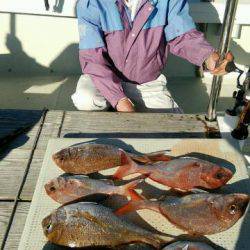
(243, 199)
(228, 174)
(224, 176)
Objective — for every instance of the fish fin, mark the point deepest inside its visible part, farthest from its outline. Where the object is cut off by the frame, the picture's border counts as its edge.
(138, 205)
(128, 167)
(135, 196)
(140, 158)
(151, 158)
(159, 156)
(128, 190)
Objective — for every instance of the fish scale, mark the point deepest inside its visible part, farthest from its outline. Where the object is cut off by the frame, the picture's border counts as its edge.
(198, 214)
(86, 224)
(67, 188)
(92, 157)
(185, 173)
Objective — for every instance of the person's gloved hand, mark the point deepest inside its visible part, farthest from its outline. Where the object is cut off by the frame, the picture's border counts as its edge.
(217, 67)
(125, 105)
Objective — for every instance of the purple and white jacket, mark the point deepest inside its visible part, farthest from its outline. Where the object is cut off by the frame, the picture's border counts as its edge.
(114, 49)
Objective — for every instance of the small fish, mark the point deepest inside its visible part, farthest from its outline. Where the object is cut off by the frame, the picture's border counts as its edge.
(188, 245)
(198, 214)
(86, 224)
(67, 188)
(184, 173)
(91, 157)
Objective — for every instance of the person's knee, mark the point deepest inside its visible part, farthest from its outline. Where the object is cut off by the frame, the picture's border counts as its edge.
(85, 96)
(83, 102)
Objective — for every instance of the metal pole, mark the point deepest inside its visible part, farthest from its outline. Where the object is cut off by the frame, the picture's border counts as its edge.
(227, 27)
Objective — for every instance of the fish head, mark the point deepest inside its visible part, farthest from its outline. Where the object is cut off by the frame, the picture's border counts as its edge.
(230, 208)
(60, 156)
(214, 176)
(64, 155)
(56, 187)
(53, 225)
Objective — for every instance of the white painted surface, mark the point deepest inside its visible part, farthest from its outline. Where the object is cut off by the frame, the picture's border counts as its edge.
(202, 12)
(37, 7)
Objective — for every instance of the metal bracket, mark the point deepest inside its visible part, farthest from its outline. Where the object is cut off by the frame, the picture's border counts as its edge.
(46, 2)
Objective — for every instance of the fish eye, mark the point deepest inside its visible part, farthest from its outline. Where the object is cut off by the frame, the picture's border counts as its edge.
(52, 189)
(233, 209)
(219, 176)
(49, 228)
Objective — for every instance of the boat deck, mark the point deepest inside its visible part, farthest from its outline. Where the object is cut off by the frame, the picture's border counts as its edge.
(21, 160)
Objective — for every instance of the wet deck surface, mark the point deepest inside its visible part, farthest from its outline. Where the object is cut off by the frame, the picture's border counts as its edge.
(21, 160)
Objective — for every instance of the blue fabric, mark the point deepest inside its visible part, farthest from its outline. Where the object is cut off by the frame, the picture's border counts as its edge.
(89, 26)
(158, 16)
(178, 19)
(98, 16)
(94, 18)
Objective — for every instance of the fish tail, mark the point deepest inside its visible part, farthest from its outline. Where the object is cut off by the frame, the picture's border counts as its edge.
(128, 190)
(128, 166)
(138, 205)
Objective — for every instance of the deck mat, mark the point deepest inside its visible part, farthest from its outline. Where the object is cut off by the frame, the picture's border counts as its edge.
(218, 151)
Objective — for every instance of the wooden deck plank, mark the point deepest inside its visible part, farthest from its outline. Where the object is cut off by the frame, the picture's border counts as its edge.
(31, 180)
(11, 174)
(14, 158)
(5, 211)
(13, 119)
(154, 125)
(10, 120)
(22, 116)
(17, 226)
(50, 130)
(25, 140)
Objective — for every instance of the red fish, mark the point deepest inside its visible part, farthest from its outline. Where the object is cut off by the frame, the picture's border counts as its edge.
(67, 188)
(185, 173)
(198, 214)
(91, 157)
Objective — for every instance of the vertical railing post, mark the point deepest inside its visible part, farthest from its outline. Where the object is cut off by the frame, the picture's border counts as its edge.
(227, 27)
